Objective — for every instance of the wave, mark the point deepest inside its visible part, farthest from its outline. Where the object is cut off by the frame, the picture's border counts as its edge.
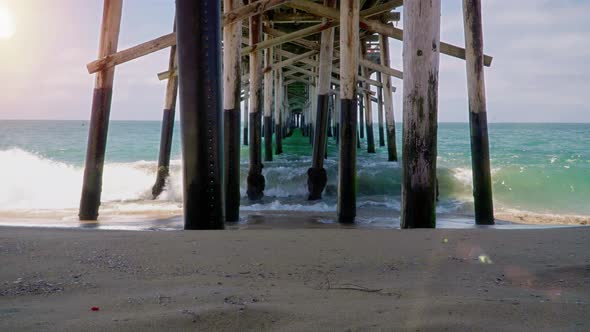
(31, 182)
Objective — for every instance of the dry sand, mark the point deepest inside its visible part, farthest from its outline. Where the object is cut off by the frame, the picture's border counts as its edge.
(295, 279)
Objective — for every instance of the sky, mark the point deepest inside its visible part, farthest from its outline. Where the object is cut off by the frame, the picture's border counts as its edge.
(540, 71)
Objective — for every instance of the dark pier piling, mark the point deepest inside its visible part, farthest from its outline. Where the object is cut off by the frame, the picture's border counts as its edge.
(201, 112)
(349, 51)
(256, 181)
(478, 123)
(167, 126)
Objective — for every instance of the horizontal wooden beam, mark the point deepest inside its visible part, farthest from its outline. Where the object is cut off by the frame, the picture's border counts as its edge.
(289, 61)
(383, 69)
(299, 34)
(376, 27)
(132, 53)
(169, 40)
(249, 10)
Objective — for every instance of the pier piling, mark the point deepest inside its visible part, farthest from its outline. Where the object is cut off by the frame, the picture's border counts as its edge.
(317, 178)
(388, 99)
(101, 109)
(201, 112)
(256, 181)
(167, 127)
(368, 103)
(232, 60)
(421, 64)
(349, 50)
(279, 90)
(268, 96)
(478, 123)
(380, 111)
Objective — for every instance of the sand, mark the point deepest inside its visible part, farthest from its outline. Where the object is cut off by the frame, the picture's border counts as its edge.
(295, 279)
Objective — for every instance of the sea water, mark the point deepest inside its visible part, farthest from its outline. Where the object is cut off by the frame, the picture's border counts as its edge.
(540, 170)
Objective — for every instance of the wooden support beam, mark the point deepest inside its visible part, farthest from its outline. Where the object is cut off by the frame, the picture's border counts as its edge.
(256, 181)
(101, 109)
(376, 27)
(317, 178)
(388, 100)
(381, 9)
(201, 112)
(380, 112)
(349, 49)
(478, 122)
(279, 109)
(382, 69)
(246, 112)
(288, 37)
(132, 53)
(299, 41)
(268, 94)
(421, 65)
(368, 105)
(254, 8)
(335, 69)
(167, 126)
(232, 71)
(280, 64)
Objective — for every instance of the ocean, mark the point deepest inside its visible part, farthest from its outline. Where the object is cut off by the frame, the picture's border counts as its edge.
(539, 172)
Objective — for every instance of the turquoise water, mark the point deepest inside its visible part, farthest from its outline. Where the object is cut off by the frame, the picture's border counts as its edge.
(541, 168)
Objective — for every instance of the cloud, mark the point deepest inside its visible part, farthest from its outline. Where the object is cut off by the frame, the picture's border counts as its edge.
(539, 72)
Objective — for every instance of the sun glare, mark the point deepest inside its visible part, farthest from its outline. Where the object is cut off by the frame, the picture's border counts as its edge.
(7, 24)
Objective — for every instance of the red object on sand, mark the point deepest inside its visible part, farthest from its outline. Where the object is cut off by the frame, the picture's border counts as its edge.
(95, 308)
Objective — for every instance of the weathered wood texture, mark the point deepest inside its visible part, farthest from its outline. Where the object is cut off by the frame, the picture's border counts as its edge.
(368, 106)
(421, 65)
(167, 127)
(376, 27)
(279, 109)
(232, 60)
(349, 49)
(268, 96)
(101, 109)
(388, 100)
(380, 111)
(480, 149)
(246, 113)
(201, 112)
(317, 177)
(256, 181)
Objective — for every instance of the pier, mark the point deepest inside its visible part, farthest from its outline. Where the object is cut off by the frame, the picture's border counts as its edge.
(275, 66)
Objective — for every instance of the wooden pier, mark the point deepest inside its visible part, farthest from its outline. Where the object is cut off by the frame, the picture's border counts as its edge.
(323, 66)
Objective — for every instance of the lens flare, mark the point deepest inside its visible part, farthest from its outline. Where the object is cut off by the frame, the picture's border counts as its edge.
(7, 24)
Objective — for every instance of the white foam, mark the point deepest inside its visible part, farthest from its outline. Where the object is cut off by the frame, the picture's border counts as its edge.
(31, 182)
(278, 206)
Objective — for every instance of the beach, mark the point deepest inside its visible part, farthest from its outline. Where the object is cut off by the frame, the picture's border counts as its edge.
(295, 279)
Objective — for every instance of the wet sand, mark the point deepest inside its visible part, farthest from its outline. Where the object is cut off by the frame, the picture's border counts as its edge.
(295, 279)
